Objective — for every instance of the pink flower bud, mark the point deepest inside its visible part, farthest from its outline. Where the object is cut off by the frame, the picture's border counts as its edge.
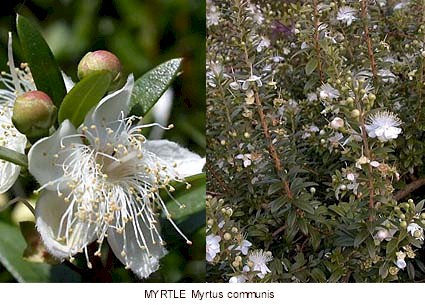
(100, 61)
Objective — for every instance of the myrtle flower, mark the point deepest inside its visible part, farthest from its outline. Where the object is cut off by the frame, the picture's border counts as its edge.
(15, 83)
(259, 259)
(251, 79)
(244, 246)
(326, 91)
(212, 246)
(346, 14)
(213, 15)
(103, 181)
(384, 126)
(255, 12)
(264, 43)
(241, 278)
(400, 262)
(246, 159)
(416, 231)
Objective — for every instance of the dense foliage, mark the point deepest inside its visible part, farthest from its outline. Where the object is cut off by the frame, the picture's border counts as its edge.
(316, 140)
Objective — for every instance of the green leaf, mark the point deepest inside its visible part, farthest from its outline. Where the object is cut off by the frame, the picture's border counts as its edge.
(83, 96)
(13, 156)
(360, 238)
(193, 199)
(150, 87)
(12, 245)
(392, 246)
(44, 69)
(305, 206)
(311, 66)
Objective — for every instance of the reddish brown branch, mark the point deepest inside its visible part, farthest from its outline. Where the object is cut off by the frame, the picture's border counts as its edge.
(217, 177)
(316, 40)
(411, 187)
(367, 38)
(272, 149)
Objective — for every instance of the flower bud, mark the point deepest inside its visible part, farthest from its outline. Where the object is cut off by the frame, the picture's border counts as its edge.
(101, 61)
(33, 114)
(227, 236)
(337, 123)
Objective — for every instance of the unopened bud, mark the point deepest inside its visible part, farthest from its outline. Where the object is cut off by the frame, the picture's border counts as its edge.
(101, 61)
(33, 114)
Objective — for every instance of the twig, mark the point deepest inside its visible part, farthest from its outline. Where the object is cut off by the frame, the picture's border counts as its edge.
(272, 149)
(367, 38)
(316, 40)
(279, 230)
(217, 178)
(411, 187)
(369, 167)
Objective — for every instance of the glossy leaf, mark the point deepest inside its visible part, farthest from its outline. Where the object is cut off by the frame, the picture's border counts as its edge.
(193, 199)
(12, 245)
(83, 96)
(150, 87)
(44, 69)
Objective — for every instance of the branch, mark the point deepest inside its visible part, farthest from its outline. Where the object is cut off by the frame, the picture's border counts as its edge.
(411, 187)
(367, 38)
(316, 40)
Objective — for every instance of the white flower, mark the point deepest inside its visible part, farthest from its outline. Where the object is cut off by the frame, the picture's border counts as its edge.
(401, 264)
(213, 15)
(103, 181)
(416, 231)
(212, 246)
(15, 83)
(326, 91)
(264, 43)
(346, 14)
(256, 13)
(241, 278)
(260, 258)
(384, 126)
(337, 123)
(244, 247)
(251, 79)
(246, 159)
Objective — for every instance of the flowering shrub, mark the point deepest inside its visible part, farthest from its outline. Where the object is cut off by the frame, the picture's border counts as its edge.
(315, 140)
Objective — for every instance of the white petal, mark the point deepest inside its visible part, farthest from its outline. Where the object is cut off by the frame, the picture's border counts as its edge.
(161, 113)
(48, 213)
(111, 106)
(137, 259)
(69, 84)
(9, 172)
(188, 163)
(42, 162)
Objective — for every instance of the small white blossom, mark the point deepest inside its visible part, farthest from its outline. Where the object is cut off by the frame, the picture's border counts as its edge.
(326, 91)
(416, 231)
(260, 258)
(213, 15)
(246, 159)
(346, 14)
(251, 79)
(264, 44)
(400, 262)
(212, 246)
(244, 246)
(384, 126)
(337, 123)
(242, 278)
